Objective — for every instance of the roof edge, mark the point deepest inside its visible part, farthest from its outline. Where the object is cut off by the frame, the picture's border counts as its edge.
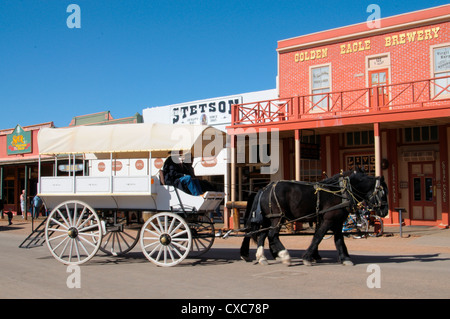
(409, 19)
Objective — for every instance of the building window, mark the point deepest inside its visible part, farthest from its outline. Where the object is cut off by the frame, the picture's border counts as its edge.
(8, 192)
(320, 83)
(441, 68)
(310, 170)
(420, 134)
(360, 138)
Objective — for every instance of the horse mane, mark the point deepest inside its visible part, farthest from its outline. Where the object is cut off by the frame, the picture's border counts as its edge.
(333, 180)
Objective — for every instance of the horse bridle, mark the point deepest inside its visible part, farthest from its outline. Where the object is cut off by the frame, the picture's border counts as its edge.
(375, 200)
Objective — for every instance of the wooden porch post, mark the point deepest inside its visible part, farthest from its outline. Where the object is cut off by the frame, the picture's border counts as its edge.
(297, 155)
(25, 195)
(443, 161)
(234, 211)
(376, 132)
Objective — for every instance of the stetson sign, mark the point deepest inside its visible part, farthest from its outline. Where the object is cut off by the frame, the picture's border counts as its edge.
(207, 112)
(19, 141)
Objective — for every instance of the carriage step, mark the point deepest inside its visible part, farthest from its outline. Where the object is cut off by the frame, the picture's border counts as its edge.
(36, 238)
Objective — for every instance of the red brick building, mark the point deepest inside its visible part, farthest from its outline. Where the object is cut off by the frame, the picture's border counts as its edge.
(374, 97)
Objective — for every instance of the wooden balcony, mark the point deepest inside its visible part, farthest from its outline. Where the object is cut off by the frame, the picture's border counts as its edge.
(415, 100)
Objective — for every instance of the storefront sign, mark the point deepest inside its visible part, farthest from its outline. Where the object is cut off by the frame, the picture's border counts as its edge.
(310, 151)
(311, 55)
(365, 45)
(441, 59)
(19, 141)
(412, 36)
(207, 112)
(70, 168)
(444, 182)
(355, 47)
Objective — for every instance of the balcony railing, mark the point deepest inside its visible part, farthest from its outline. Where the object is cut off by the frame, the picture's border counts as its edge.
(393, 97)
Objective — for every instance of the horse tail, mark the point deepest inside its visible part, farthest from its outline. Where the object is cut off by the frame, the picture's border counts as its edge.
(252, 205)
(249, 208)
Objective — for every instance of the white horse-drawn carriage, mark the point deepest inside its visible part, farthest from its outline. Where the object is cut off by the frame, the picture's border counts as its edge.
(110, 196)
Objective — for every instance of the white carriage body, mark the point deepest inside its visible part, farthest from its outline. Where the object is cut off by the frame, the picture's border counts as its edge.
(134, 190)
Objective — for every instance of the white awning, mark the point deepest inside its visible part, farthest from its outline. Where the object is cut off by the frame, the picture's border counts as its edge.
(142, 137)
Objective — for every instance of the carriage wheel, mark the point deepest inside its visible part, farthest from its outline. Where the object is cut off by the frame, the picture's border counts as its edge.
(166, 239)
(73, 232)
(121, 238)
(203, 234)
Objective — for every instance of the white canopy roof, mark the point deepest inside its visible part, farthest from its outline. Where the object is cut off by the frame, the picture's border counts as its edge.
(116, 138)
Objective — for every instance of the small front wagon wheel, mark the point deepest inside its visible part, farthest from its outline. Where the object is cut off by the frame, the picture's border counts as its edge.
(203, 234)
(166, 239)
(73, 232)
(121, 239)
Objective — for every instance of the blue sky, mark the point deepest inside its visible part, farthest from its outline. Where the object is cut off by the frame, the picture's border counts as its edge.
(132, 54)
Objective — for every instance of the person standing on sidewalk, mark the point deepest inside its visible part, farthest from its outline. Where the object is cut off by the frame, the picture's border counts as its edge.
(22, 204)
(37, 204)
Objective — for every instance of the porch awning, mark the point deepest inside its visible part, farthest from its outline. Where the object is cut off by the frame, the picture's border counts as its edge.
(137, 138)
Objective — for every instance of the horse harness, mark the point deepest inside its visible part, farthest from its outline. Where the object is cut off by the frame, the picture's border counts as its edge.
(344, 192)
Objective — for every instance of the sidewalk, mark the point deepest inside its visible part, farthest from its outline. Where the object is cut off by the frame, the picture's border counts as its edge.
(416, 231)
(423, 235)
(20, 226)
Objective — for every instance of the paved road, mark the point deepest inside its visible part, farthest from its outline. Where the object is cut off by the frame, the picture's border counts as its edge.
(414, 267)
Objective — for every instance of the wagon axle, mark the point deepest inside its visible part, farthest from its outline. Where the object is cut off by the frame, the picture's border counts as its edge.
(73, 232)
(165, 239)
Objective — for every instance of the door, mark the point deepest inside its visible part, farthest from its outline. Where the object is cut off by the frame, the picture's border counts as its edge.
(423, 190)
(378, 79)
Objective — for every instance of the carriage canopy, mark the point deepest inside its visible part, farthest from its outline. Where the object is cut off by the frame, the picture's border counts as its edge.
(143, 137)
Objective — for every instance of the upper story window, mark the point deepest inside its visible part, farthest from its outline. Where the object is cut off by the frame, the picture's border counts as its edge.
(320, 83)
(441, 67)
(421, 134)
(359, 138)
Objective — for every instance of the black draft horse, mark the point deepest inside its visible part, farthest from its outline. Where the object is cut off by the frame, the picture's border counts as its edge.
(327, 203)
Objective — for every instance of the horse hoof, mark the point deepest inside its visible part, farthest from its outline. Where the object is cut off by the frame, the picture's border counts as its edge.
(307, 262)
(347, 263)
(263, 262)
(246, 259)
(285, 257)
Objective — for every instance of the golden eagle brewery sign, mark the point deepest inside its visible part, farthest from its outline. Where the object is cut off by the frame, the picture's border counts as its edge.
(206, 112)
(18, 142)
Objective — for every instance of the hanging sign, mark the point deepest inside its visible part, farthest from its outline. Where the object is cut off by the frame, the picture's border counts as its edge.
(19, 141)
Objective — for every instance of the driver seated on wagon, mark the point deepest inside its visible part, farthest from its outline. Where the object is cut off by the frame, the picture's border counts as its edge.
(178, 172)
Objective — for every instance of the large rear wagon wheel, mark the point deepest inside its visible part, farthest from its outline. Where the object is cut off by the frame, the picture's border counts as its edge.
(73, 232)
(166, 239)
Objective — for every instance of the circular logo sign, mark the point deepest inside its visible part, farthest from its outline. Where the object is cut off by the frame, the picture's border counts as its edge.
(139, 165)
(101, 167)
(159, 163)
(117, 166)
(209, 161)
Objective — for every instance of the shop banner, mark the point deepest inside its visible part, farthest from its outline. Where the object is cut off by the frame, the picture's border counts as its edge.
(19, 141)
